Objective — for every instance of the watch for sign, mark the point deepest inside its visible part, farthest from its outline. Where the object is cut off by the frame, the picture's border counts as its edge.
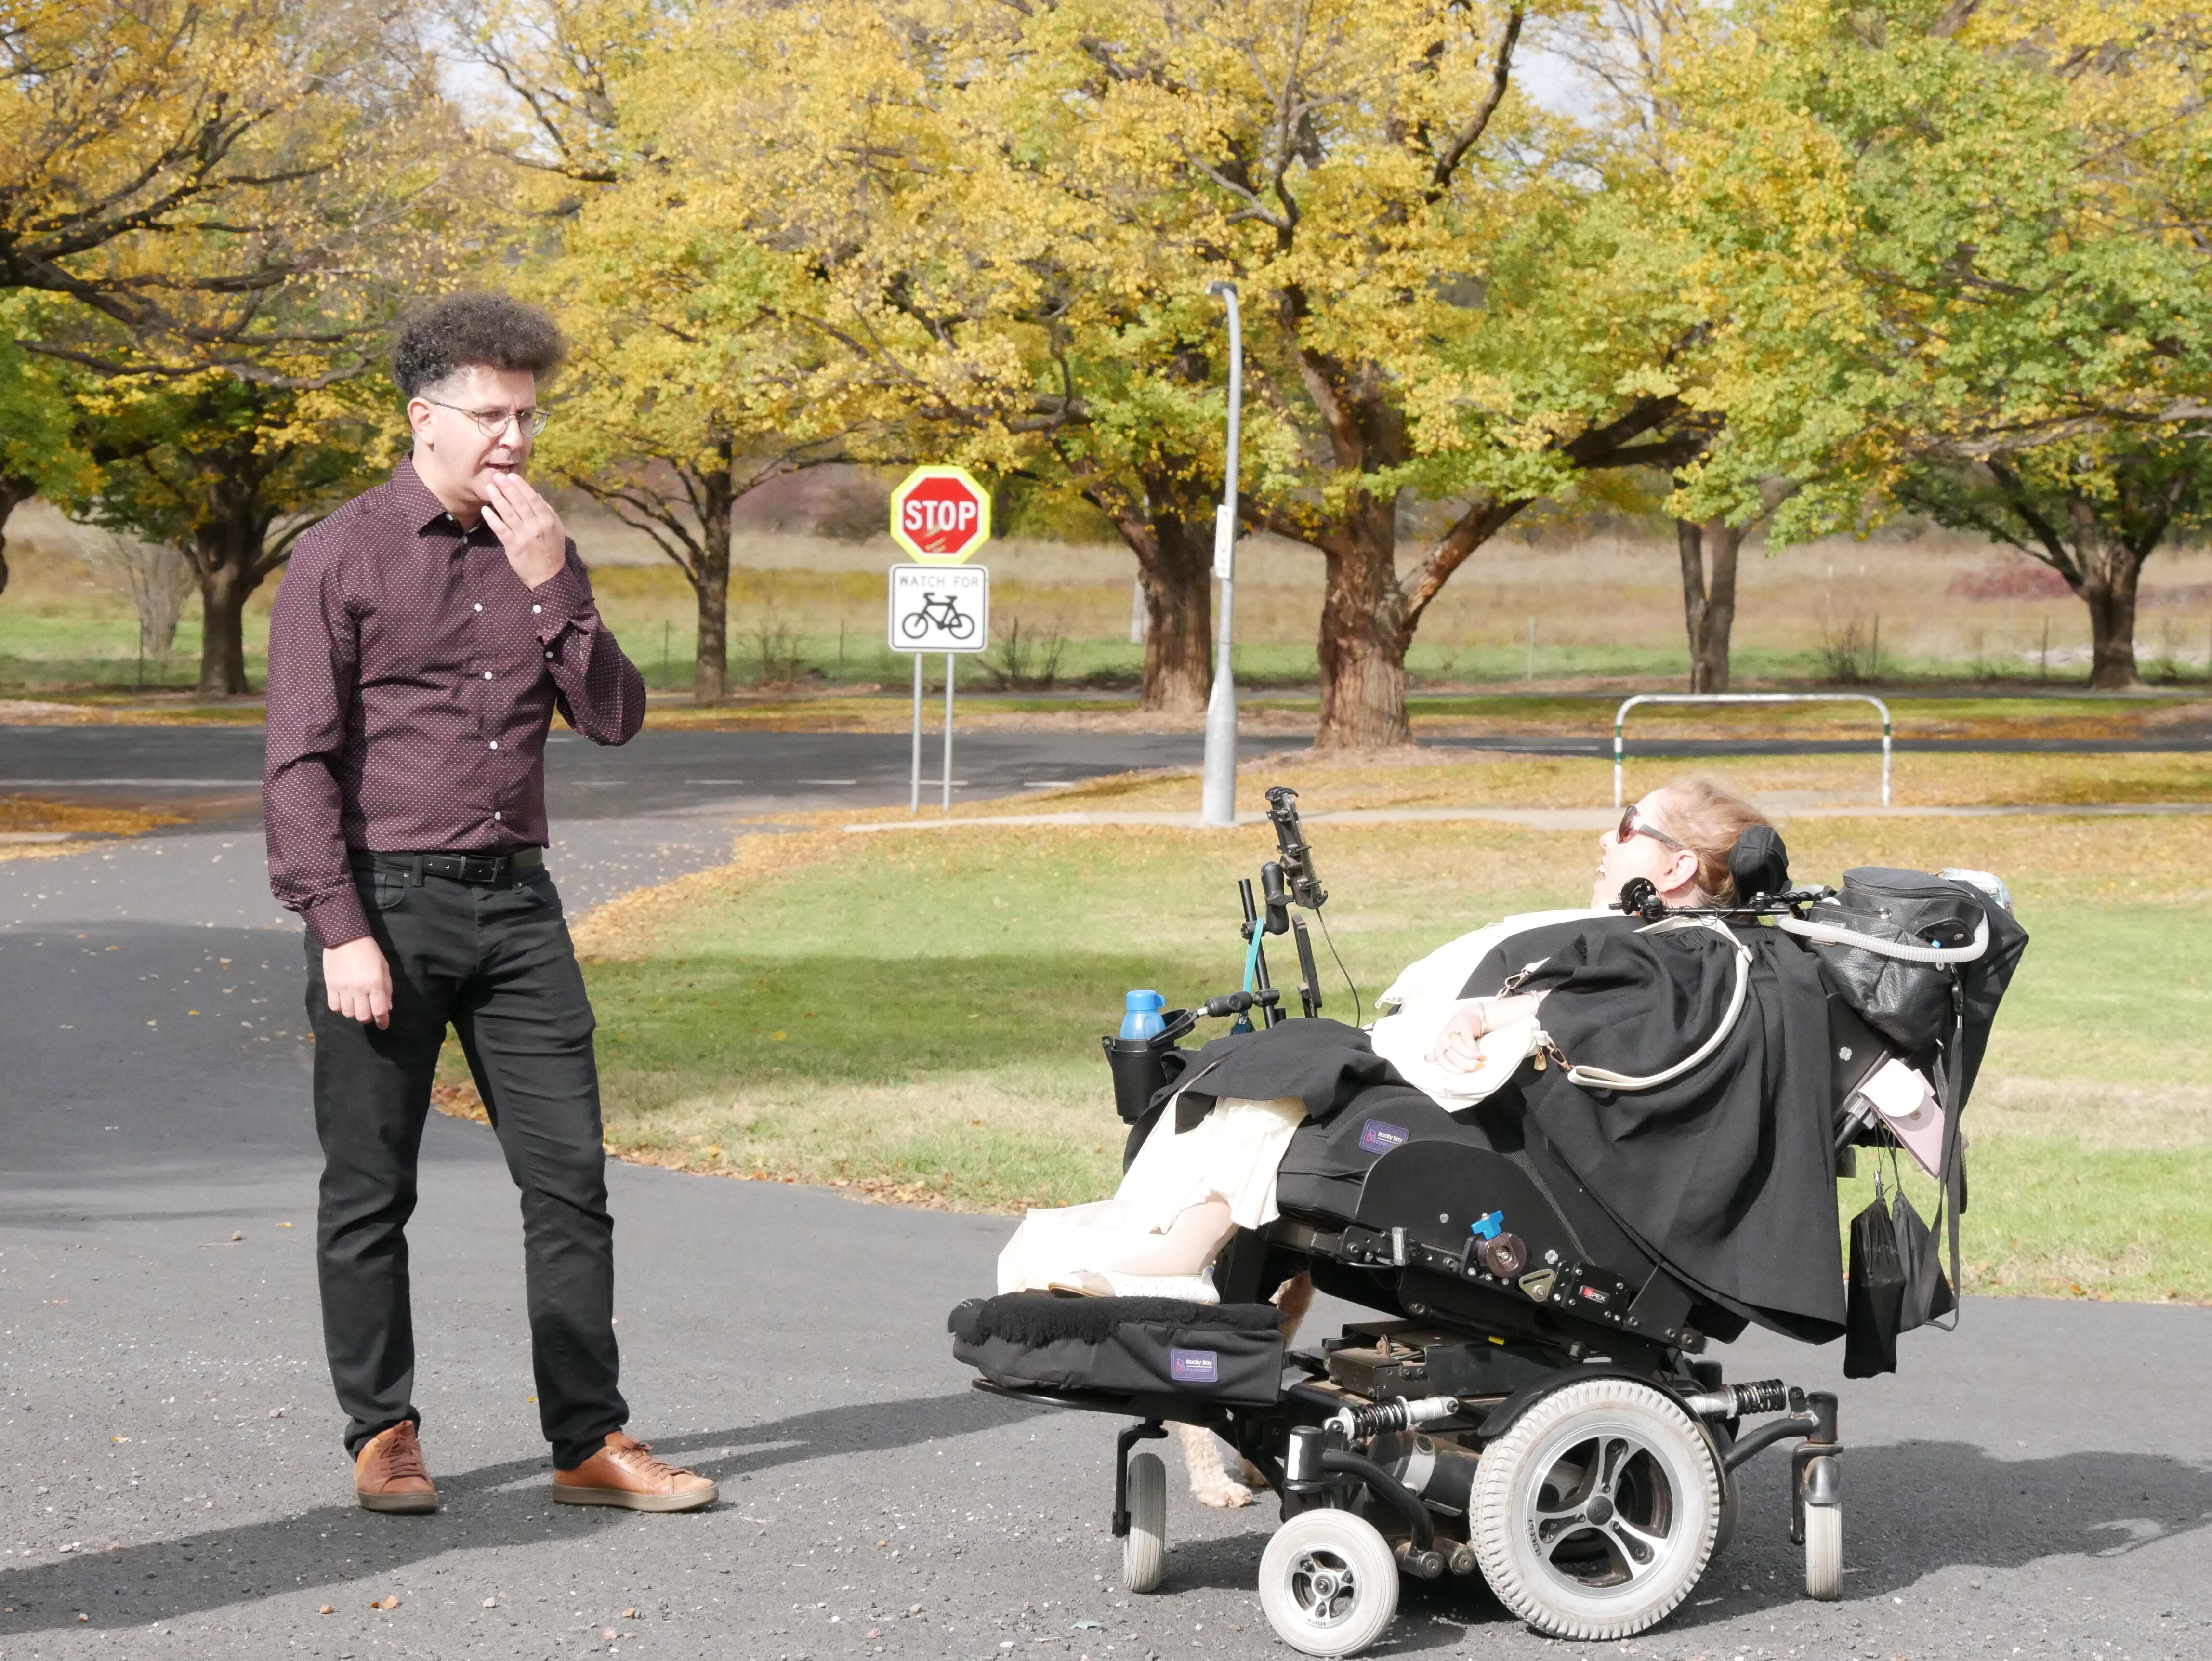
(940, 515)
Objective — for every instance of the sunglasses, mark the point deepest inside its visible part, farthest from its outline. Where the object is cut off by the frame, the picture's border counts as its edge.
(1632, 826)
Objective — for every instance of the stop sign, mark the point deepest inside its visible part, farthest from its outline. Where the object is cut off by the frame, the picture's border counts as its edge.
(940, 515)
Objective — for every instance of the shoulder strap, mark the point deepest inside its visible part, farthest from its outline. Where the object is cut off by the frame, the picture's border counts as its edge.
(1953, 1151)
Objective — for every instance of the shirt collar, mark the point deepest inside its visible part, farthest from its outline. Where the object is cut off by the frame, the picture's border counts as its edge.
(419, 509)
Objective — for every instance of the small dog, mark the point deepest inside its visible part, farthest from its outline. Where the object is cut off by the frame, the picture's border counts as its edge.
(1211, 1484)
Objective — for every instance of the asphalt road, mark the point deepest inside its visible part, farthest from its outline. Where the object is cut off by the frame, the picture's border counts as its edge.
(171, 1482)
(212, 775)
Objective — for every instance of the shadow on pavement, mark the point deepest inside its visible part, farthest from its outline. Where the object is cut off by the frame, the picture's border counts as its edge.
(494, 1506)
(1908, 1510)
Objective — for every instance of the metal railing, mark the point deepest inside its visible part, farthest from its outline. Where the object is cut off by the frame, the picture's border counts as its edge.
(1620, 716)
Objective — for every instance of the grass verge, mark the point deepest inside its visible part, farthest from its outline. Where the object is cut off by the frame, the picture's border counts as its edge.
(916, 1018)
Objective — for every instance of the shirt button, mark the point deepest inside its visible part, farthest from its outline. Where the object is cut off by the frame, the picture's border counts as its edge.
(480, 606)
(495, 744)
(535, 610)
(549, 657)
(496, 815)
(487, 674)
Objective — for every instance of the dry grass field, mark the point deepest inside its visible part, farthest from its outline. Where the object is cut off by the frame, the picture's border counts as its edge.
(1604, 609)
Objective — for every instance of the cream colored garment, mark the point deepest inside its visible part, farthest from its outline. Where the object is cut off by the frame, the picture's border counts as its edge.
(1426, 996)
(1151, 1226)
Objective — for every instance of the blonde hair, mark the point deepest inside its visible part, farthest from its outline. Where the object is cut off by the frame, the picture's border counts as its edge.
(1706, 819)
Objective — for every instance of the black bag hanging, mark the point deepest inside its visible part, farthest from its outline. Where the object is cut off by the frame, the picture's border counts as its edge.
(1927, 1292)
(1876, 1295)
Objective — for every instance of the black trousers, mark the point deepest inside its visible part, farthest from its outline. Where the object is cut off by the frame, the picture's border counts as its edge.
(494, 960)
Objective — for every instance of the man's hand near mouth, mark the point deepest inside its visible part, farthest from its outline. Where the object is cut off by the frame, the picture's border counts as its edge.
(527, 528)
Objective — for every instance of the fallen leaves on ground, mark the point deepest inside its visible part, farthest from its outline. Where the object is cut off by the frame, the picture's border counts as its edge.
(460, 1101)
(21, 813)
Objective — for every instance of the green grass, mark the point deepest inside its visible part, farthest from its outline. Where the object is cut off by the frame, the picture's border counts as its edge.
(917, 1016)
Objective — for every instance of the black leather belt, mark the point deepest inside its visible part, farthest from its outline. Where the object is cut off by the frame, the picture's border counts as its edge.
(459, 867)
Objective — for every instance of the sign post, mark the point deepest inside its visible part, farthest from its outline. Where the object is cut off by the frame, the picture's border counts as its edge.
(940, 516)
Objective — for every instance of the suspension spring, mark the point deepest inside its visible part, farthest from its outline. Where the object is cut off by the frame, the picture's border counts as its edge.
(1766, 1395)
(1360, 1424)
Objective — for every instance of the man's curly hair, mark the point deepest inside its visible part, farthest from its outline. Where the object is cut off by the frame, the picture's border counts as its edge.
(475, 331)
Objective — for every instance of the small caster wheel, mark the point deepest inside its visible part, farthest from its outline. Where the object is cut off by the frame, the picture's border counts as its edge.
(1823, 1553)
(1328, 1583)
(1145, 1548)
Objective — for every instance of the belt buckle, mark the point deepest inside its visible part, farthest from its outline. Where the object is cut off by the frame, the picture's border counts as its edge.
(480, 868)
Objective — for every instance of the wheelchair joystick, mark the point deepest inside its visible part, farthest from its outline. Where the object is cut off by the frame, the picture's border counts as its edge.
(1297, 856)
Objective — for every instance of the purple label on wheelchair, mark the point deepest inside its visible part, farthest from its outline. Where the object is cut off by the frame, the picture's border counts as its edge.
(1376, 1137)
(1194, 1366)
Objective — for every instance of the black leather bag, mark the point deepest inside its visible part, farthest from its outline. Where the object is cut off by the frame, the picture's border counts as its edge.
(1908, 1003)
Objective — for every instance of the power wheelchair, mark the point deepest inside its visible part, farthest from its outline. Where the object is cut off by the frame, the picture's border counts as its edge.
(1530, 1402)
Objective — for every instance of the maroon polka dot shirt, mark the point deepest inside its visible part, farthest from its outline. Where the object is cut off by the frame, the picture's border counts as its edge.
(412, 679)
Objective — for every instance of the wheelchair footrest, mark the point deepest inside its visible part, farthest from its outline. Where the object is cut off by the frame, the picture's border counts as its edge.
(1227, 1353)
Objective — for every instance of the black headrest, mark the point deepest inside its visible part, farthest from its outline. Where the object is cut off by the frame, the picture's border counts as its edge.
(1759, 863)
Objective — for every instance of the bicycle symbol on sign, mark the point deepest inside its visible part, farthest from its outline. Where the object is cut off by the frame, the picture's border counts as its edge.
(939, 611)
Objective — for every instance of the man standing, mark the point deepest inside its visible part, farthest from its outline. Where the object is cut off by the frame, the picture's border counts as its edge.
(421, 641)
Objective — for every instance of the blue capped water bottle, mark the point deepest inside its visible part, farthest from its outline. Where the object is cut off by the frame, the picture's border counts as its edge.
(1144, 1019)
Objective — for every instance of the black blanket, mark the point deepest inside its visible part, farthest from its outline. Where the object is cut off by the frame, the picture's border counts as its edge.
(1725, 1174)
(1324, 1063)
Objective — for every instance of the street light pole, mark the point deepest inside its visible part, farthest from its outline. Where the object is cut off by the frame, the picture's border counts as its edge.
(1217, 795)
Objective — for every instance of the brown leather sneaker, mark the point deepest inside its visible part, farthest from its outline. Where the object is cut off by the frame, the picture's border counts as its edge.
(624, 1472)
(389, 1474)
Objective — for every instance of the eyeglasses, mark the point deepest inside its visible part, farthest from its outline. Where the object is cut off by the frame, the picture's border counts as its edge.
(1632, 826)
(493, 422)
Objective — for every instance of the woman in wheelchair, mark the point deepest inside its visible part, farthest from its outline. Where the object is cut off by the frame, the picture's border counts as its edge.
(1186, 1193)
(1573, 1147)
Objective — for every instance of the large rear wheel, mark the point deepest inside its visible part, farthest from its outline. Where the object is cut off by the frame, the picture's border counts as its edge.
(1595, 1513)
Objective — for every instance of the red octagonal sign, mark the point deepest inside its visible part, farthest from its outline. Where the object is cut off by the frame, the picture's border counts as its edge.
(940, 515)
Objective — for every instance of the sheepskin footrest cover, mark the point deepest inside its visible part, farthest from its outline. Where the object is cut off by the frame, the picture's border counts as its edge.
(1229, 1352)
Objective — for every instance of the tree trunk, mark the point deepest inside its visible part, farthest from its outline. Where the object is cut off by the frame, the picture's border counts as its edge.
(1172, 538)
(1363, 634)
(2109, 586)
(1708, 607)
(1178, 615)
(710, 667)
(14, 493)
(226, 550)
(2110, 573)
(224, 586)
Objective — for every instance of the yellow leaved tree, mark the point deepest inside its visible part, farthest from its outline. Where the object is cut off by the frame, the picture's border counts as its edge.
(227, 205)
(1019, 209)
(690, 382)
(1951, 258)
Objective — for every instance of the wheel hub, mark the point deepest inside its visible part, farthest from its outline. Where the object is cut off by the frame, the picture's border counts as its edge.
(1604, 1514)
(1322, 1586)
